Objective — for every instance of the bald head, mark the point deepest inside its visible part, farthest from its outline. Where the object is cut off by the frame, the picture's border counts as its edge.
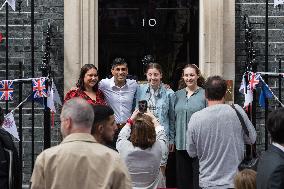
(79, 112)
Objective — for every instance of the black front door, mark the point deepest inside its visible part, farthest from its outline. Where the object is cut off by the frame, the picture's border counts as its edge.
(165, 29)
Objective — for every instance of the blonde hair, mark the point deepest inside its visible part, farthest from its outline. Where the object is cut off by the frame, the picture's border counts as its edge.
(245, 179)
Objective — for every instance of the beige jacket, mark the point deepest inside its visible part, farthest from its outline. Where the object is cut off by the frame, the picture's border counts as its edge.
(79, 162)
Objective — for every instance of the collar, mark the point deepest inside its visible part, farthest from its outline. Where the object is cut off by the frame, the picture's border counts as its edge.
(112, 83)
(278, 146)
(79, 137)
(158, 93)
(195, 92)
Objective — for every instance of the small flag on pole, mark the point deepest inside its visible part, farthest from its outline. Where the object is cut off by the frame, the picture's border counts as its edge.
(254, 80)
(265, 93)
(245, 88)
(53, 97)
(10, 126)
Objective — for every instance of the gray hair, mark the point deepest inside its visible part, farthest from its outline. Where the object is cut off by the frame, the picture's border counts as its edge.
(79, 111)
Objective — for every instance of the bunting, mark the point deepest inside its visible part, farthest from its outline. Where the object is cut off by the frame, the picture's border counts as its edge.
(53, 97)
(39, 87)
(6, 90)
(10, 126)
(255, 80)
(39, 92)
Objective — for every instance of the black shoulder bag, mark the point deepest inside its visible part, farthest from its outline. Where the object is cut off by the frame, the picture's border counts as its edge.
(250, 159)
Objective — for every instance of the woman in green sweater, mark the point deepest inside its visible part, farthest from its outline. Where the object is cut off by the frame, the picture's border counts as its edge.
(188, 100)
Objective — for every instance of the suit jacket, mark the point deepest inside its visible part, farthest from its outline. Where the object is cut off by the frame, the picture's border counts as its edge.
(270, 170)
(79, 162)
(6, 142)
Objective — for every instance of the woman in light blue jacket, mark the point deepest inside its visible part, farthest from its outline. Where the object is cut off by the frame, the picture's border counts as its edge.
(159, 99)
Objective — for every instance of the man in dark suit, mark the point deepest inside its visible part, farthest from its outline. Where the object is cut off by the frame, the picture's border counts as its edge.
(270, 170)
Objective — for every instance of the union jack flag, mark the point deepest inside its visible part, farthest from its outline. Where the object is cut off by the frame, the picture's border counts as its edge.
(39, 87)
(254, 80)
(6, 90)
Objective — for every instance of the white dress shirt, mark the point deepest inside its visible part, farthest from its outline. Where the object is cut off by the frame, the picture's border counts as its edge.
(278, 146)
(120, 99)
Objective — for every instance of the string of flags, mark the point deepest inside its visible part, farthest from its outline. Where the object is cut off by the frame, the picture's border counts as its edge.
(255, 80)
(7, 88)
(39, 91)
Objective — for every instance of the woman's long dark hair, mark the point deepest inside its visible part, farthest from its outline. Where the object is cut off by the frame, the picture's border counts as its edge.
(200, 80)
(80, 82)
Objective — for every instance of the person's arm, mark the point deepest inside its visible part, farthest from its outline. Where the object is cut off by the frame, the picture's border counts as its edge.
(172, 128)
(252, 133)
(122, 143)
(190, 138)
(135, 102)
(161, 137)
(123, 136)
(37, 179)
(100, 85)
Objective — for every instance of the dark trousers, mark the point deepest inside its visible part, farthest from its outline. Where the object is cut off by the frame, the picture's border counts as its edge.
(171, 171)
(187, 171)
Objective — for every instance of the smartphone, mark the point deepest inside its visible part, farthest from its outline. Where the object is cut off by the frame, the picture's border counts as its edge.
(142, 105)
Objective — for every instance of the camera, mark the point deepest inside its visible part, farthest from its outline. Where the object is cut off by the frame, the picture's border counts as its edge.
(142, 105)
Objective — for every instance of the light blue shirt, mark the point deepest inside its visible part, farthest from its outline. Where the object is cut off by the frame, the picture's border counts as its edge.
(161, 106)
(120, 99)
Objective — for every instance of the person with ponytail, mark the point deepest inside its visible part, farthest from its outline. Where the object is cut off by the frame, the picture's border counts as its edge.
(189, 99)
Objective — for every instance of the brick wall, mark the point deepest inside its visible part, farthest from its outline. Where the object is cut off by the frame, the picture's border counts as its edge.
(255, 9)
(20, 51)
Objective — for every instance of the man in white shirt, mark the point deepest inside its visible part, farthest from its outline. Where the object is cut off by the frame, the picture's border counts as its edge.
(119, 92)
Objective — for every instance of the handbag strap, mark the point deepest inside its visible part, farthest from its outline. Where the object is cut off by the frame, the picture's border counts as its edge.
(241, 120)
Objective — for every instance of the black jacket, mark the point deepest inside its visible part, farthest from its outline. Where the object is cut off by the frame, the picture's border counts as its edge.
(6, 142)
(270, 170)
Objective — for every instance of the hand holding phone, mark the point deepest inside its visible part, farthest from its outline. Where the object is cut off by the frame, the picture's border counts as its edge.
(142, 106)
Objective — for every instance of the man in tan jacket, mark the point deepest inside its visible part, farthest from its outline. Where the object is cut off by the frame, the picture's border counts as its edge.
(79, 161)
